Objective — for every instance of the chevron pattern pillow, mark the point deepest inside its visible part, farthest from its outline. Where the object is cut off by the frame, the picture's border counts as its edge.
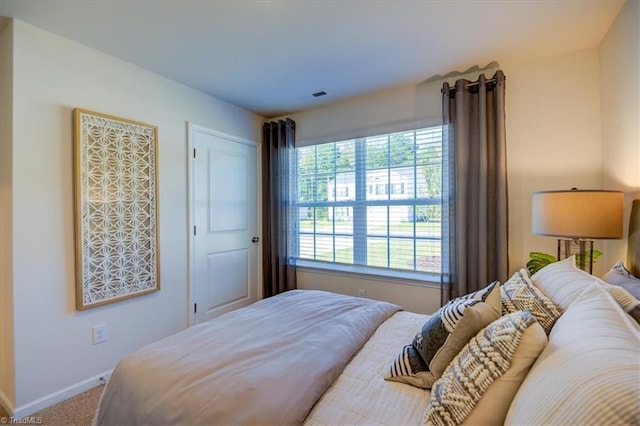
(443, 335)
(519, 294)
(485, 359)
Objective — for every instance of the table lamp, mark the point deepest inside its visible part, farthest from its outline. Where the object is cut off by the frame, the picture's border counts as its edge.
(578, 217)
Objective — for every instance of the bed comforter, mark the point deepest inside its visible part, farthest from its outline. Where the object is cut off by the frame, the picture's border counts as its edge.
(265, 364)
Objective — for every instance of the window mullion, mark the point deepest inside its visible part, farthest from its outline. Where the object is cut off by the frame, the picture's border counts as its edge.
(315, 198)
(360, 208)
(389, 191)
(415, 195)
(335, 198)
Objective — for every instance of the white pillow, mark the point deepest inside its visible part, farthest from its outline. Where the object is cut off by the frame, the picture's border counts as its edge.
(589, 371)
(563, 282)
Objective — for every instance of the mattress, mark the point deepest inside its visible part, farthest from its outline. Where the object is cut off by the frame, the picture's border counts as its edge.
(361, 396)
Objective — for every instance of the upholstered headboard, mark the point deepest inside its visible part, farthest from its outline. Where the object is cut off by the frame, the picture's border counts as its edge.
(633, 251)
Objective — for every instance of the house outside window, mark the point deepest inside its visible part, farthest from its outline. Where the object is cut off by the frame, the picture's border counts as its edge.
(397, 188)
(372, 202)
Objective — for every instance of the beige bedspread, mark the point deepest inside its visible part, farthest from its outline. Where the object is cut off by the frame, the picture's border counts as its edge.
(361, 396)
(264, 364)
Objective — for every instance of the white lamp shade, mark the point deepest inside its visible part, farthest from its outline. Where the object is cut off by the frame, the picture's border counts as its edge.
(578, 214)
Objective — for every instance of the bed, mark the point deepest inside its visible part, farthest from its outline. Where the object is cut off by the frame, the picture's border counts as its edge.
(282, 354)
(318, 358)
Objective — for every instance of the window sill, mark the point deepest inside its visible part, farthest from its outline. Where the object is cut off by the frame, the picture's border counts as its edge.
(355, 271)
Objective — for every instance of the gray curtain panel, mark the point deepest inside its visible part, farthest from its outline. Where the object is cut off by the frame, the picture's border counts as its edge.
(474, 241)
(278, 217)
(633, 253)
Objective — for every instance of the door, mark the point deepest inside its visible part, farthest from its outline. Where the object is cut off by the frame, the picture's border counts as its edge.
(224, 214)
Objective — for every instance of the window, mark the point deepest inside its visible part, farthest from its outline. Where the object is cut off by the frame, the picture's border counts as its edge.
(397, 188)
(373, 202)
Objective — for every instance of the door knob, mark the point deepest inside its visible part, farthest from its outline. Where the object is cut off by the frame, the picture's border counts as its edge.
(255, 239)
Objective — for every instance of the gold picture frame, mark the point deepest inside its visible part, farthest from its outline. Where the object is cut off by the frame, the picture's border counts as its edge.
(116, 208)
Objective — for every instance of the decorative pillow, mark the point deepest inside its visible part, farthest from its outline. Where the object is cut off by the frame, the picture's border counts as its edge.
(443, 335)
(563, 282)
(627, 302)
(519, 294)
(588, 372)
(491, 366)
(618, 275)
(410, 368)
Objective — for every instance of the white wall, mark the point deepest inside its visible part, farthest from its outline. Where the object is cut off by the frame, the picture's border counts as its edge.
(553, 139)
(384, 109)
(553, 142)
(7, 391)
(620, 93)
(413, 297)
(52, 75)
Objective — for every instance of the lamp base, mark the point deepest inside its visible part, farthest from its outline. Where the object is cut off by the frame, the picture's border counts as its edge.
(582, 249)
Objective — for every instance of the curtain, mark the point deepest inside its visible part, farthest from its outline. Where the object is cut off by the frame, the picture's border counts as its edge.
(278, 216)
(475, 236)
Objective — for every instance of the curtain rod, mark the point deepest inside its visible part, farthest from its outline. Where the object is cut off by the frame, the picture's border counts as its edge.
(472, 84)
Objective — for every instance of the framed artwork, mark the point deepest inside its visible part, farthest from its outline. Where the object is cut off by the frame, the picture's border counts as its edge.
(116, 202)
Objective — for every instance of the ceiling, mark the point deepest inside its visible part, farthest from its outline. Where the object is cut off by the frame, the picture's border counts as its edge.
(270, 56)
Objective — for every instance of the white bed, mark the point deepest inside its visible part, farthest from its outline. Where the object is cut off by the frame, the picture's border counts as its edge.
(301, 356)
(361, 396)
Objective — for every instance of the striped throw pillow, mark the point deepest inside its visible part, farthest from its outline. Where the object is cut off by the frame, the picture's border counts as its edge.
(443, 335)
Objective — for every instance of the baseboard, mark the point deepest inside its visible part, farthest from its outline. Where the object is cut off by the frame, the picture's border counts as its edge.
(4, 401)
(61, 395)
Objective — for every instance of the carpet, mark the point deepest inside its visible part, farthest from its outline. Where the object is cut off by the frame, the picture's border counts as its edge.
(75, 411)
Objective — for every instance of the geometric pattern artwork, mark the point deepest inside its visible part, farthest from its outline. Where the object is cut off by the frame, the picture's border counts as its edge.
(116, 208)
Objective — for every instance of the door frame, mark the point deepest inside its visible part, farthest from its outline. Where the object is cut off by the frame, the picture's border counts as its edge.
(191, 128)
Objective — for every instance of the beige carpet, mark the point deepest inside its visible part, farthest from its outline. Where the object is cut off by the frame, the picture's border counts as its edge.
(76, 411)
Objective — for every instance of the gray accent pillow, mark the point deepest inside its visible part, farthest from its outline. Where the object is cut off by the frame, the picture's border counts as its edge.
(620, 276)
(443, 335)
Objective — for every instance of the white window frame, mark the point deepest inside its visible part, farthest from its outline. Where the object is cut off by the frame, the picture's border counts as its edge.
(367, 188)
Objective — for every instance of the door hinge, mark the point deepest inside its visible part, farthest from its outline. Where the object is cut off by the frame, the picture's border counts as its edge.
(195, 308)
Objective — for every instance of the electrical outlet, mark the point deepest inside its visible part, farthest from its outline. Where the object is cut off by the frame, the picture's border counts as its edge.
(99, 333)
(361, 292)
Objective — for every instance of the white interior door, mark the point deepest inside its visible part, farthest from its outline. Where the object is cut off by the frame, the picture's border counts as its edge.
(225, 221)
